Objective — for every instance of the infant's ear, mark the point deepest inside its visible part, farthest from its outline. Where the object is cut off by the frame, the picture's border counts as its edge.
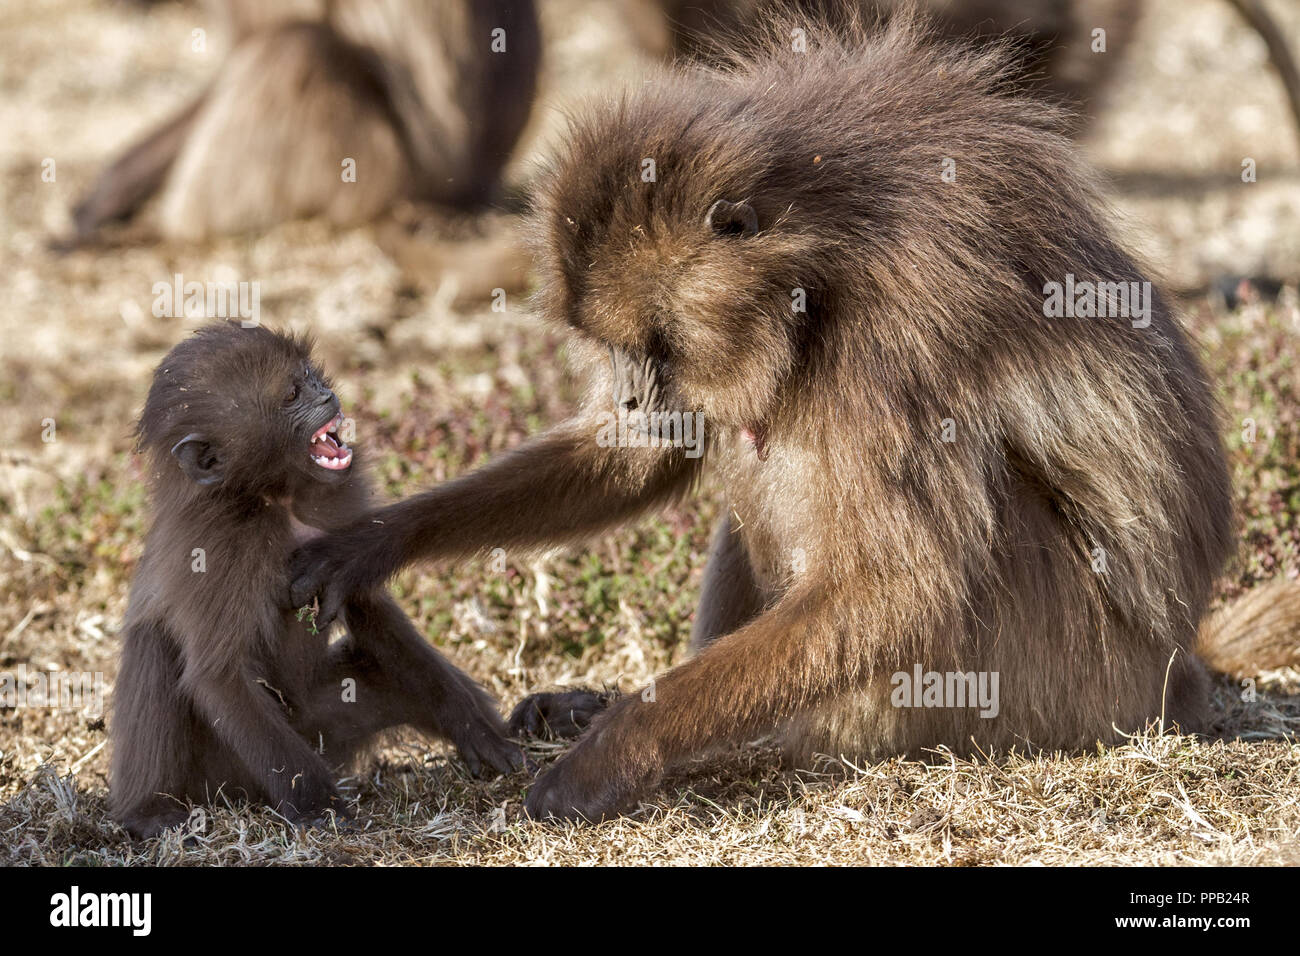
(197, 459)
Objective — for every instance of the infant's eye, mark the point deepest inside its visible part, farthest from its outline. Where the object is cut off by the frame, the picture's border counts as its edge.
(291, 395)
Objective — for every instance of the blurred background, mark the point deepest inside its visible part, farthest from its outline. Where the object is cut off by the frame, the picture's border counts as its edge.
(438, 379)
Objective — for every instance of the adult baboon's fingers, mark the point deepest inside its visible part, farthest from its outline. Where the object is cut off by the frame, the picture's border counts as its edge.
(317, 605)
(302, 591)
(557, 716)
(520, 722)
(331, 602)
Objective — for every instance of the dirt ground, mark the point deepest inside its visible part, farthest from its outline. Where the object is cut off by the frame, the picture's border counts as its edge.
(436, 390)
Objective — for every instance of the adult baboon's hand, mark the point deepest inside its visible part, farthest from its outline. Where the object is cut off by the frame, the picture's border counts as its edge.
(603, 775)
(329, 570)
(558, 715)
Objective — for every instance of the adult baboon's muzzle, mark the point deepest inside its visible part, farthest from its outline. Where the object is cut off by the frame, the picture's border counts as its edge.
(636, 383)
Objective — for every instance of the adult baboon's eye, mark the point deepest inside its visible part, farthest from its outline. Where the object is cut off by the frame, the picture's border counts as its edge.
(732, 218)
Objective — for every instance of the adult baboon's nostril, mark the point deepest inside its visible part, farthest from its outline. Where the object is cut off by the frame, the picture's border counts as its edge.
(630, 404)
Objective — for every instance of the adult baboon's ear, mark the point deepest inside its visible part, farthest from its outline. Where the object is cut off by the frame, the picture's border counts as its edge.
(197, 460)
(732, 218)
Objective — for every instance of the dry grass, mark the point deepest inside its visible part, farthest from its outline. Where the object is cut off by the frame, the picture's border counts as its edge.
(1159, 800)
(435, 391)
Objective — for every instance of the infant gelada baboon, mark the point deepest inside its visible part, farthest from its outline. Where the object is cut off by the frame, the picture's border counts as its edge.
(335, 109)
(853, 263)
(220, 692)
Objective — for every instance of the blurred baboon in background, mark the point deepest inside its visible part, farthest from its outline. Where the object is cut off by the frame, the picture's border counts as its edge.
(1051, 40)
(1057, 49)
(335, 109)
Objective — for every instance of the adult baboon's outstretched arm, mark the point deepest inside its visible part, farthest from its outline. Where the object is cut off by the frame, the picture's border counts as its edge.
(560, 487)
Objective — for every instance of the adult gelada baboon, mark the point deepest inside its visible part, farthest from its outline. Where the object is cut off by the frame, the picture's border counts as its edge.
(842, 259)
(219, 689)
(335, 109)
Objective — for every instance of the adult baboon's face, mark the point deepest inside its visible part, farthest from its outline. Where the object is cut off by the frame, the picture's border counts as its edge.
(661, 245)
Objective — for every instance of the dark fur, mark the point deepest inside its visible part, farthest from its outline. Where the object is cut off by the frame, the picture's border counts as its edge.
(220, 689)
(408, 89)
(862, 544)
